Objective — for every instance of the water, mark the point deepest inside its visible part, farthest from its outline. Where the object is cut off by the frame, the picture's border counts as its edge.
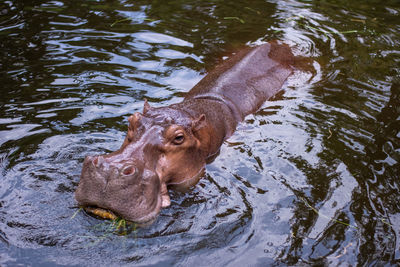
(310, 179)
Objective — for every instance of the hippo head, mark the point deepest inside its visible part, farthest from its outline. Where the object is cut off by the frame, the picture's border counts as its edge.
(162, 146)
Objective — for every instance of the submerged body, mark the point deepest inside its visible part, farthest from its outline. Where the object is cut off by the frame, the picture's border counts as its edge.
(171, 145)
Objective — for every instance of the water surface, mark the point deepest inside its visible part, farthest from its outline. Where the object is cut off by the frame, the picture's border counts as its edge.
(310, 179)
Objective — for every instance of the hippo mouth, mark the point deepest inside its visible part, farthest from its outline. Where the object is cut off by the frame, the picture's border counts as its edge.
(102, 213)
(111, 214)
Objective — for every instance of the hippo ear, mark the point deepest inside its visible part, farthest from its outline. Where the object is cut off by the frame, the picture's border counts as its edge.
(146, 106)
(198, 123)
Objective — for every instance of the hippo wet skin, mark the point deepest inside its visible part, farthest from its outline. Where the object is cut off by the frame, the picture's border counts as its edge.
(170, 145)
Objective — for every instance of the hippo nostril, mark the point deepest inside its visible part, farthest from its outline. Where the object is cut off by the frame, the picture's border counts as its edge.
(129, 170)
(95, 161)
(98, 161)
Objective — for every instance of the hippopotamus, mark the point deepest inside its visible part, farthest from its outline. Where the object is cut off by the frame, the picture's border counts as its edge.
(170, 146)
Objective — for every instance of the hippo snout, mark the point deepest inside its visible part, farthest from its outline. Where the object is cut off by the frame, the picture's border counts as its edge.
(125, 188)
(110, 169)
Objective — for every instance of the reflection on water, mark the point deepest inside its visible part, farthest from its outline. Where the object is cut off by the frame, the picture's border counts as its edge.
(311, 178)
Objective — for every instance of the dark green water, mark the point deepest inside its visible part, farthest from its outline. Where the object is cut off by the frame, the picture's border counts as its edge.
(310, 179)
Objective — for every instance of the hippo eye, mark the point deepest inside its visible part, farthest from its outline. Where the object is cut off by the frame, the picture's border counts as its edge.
(179, 139)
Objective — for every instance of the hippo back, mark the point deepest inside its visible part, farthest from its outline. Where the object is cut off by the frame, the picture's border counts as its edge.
(249, 78)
